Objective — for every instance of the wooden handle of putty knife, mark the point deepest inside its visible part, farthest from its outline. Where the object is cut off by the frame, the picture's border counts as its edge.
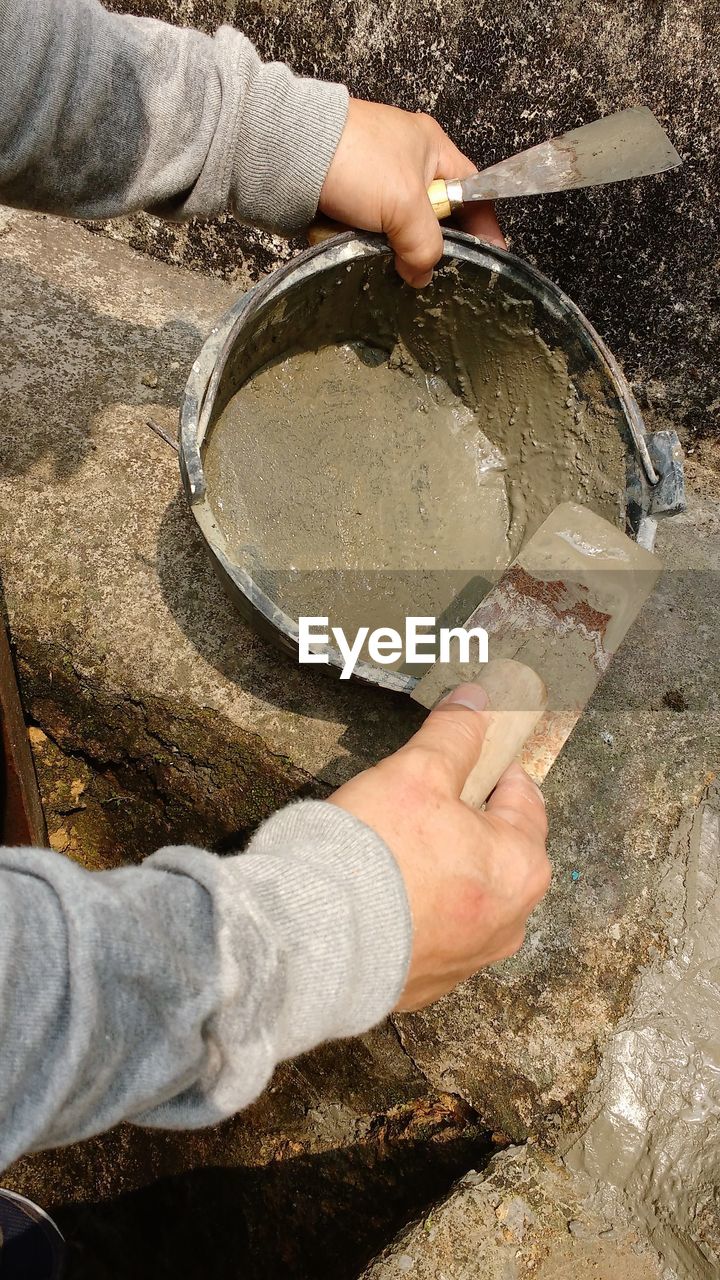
(518, 698)
(440, 194)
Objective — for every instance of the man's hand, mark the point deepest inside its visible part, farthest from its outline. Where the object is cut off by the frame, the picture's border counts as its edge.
(472, 878)
(378, 180)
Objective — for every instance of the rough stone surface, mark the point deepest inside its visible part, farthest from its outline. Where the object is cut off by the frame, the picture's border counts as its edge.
(649, 1147)
(523, 1218)
(129, 604)
(636, 1194)
(640, 259)
(527, 1034)
(156, 715)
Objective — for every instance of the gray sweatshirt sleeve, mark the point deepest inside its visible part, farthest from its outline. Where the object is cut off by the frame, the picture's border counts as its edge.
(165, 994)
(102, 114)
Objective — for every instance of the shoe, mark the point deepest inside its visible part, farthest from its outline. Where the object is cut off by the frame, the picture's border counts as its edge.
(31, 1246)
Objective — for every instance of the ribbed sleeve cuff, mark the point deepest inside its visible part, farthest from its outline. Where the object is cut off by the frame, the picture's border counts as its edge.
(332, 897)
(288, 132)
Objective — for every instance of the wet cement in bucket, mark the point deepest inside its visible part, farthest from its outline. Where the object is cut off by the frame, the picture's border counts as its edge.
(398, 472)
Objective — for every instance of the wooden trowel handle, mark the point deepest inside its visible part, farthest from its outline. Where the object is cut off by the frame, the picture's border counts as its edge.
(518, 698)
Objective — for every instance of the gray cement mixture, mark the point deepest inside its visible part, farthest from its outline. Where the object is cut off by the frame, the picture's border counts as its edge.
(371, 481)
(652, 1151)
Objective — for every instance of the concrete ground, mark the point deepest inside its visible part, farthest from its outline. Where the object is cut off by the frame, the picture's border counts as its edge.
(157, 716)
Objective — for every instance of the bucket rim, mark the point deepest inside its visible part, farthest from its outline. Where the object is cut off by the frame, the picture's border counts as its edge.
(206, 372)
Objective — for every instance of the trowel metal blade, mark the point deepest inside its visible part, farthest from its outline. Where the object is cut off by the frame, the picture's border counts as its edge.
(563, 608)
(629, 144)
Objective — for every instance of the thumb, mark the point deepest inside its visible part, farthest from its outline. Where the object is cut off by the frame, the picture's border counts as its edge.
(453, 736)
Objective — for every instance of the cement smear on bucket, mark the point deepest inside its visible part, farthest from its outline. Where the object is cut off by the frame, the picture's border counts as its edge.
(371, 483)
(653, 1150)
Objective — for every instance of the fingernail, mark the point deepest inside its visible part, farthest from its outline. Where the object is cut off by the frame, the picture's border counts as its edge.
(472, 696)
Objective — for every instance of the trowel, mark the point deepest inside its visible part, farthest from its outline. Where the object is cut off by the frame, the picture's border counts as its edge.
(553, 620)
(628, 144)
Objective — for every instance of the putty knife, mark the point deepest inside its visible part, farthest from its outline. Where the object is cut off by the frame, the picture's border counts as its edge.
(628, 144)
(561, 610)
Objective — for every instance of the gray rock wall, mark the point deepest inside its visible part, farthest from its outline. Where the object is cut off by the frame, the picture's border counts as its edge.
(640, 259)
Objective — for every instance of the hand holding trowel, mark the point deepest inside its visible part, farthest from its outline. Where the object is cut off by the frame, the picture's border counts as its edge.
(554, 621)
(628, 144)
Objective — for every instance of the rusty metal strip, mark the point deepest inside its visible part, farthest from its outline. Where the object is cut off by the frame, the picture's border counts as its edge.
(22, 821)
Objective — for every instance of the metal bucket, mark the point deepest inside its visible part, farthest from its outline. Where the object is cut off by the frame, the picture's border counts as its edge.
(256, 330)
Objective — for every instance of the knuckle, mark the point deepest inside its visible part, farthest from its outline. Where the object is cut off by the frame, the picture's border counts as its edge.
(402, 206)
(408, 199)
(428, 769)
(534, 801)
(414, 245)
(536, 793)
(533, 868)
(461, 724)
(427, 252)
(530, 790)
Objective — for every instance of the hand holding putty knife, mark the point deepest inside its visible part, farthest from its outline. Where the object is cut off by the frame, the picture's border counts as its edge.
(628, 144)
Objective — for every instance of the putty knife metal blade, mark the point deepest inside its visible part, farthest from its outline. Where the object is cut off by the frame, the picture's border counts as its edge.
(628, 144)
